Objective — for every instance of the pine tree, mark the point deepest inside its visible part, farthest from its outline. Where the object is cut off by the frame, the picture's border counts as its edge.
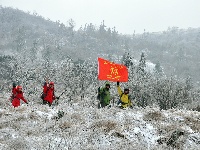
(142, 66)
(158, 70)
(127, 60)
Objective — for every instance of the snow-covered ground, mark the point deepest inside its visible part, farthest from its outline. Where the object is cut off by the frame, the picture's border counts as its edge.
(83, 126)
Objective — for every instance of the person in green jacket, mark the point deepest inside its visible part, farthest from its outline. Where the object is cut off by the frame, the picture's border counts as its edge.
(104, 95)
(125, 99)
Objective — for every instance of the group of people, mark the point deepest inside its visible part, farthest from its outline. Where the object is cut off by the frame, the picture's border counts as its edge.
(47, 95)
(124, 98)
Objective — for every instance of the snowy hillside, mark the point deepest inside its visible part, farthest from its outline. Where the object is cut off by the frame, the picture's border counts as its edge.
(80, 125)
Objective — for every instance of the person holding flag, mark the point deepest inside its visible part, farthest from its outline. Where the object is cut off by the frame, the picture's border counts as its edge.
(111, 71)
(125, 99)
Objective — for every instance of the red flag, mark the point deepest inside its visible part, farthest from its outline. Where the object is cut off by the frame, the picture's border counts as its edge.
(111, 71)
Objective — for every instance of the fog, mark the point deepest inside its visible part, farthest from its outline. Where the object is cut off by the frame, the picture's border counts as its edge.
(128, 16)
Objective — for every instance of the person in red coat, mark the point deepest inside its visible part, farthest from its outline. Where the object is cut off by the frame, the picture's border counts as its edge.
(48, 91)
(17, 96)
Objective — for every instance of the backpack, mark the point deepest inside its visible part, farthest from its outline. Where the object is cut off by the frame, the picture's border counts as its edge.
(98, 95)
(43, 95)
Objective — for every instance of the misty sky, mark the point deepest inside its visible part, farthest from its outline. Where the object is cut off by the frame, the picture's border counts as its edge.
(125, 15)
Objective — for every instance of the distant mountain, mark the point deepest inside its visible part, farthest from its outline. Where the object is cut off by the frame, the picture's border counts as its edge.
(176, 50)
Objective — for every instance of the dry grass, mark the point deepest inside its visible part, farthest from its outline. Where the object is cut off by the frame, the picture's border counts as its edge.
(21, 118)
(1, 114)
(13, 123)
(153, 116)
(106, 126)
(29, 133)
(21, 109)
(18, 144)
(193, 123)
(4, 103)
(76, 117)
(33, 116)
(166, 129)
(4, 124)
(117, 134)
(65, 125)
(174, 138)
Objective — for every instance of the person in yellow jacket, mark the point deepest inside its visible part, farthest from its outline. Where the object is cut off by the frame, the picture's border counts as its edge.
(124, 97)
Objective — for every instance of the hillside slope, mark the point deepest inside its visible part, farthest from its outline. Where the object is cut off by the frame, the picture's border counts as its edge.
(80, 125)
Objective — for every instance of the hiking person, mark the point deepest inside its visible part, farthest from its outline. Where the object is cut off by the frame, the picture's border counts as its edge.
(125, 100)
(48, 93)
(17, 95)
(104, 95)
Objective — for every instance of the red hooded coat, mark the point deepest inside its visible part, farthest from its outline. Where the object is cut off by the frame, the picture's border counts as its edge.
(49, 93)
(18, 95)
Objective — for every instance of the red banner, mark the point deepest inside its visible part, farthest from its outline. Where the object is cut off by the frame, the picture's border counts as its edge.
(110, 71)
